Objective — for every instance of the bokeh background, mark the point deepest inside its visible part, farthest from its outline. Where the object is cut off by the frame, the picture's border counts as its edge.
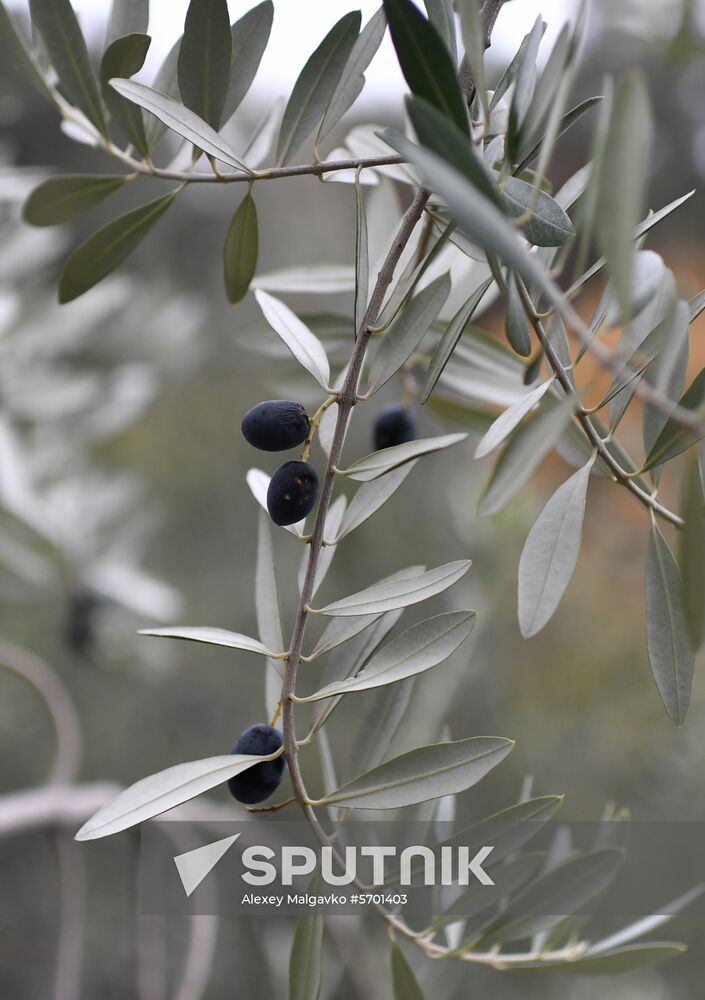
(124, 409)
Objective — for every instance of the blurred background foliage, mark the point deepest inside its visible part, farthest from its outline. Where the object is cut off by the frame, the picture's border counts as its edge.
(123, 411)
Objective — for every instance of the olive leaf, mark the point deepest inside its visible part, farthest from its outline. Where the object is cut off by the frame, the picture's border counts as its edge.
(60, 199)
(241, 249)
(399, 593)
(305, 963)
(123, 58)
(162, 791)
(404, 982)
(505, 423)
(249, 37)
(427, 772)
(370, 497)
(691, 556)
(303, 344)
(674, 438)
(212, 636)
(380, 462)
(127, 17)
(454, 331)
(258, 482)
(203, 64)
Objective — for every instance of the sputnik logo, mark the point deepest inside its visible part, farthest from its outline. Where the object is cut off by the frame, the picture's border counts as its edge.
(193, 866)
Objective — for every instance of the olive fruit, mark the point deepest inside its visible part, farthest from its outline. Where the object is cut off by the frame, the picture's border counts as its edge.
(260, 781)
(292, 492)
(394, 425)
(276, 425)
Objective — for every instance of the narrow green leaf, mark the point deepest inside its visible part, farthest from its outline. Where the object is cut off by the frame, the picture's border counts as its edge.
(674, 438)
(108, 247)
(269, 624)
(212, 636)
(123, 58)
(427, 772)
(380, 462)
(567, 121)
(316, 85)
(127, 17)
(509, 829)
(404, 982)
(403, 591)
(516, 323)
(181, 120)
(306, 961)
(249, 40)
(407, 331)
(533, 440)
(611, 963)
(646, 925)
(666, 629)
(159, 792)
(442, 17)
(56, 22)
(425, 62)
(370, 497)
(414, 651)
(474, 43)
(621, 184)
(303, 344)
(60, 199)
(353, 79)
(505, 423)
(551, 552)
(241, 248)
(524, 86)
(454, 331)
(362, 261)
(204, 59)
(692, 552)
(549, 225)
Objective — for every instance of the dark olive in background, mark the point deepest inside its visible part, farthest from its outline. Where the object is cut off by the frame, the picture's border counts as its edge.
(260, 781)
(394, 425)
(292, 492)
(276, 425)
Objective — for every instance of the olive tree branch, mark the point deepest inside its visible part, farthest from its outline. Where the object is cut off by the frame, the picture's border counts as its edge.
(583, 417)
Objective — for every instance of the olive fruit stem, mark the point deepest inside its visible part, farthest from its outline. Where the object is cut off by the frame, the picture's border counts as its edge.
(315, 421)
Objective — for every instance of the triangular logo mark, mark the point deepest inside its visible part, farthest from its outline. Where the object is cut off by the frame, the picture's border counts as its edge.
(193, 866)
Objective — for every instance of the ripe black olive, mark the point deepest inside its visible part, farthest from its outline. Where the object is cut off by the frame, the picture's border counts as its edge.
(260, 781)
(292, 492)
(276, 425)
(394, 425)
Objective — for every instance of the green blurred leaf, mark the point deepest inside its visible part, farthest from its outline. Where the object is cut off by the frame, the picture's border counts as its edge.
(66, 47)
(524, 86)
(212, 636)
(371, 496)
(633, 956)
(353, 79)
(427, 772)
(162, 791)
(674, 438)
(124, 57)
(569, 119)
(127, 17)
(323, 279)
(303, 344)
(692, 552)
(511, 418)
(425, 62)
(454, 331)
(551, 552)
(17, 46)
(60, 199)
(474, 42)
(204, 59)
(442, 17)
(306, 961)
(404, 981)
(241, 248)
(399, 592)
(380, 462)
(407, 331)
(181, 120)
(316, 85)
(621, 184)
(416, 650)
(509, 829)
(530, 443)
(516, 323)
(249, 38)
(107, 248)
(666, 629)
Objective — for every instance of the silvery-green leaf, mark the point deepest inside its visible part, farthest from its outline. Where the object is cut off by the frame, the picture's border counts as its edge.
(633, 956)
(666, 629)
(306, 960)
(180, 120)
(449, 341)
(362, 261)
(407, 331)
(427, 772)
(379, 727)
(162, 791)
(123, 58)
(204, 59)
(241, 250)
(370, 497)
(509, 829)
(303, 344)
(558, 893)
(549, 82)
(696, 306)
(692, 552)
(258, 482)
(333, 519)
(166, 82)
(674, 438)
(551, 552)
(442, 17)
(524, 85)
(646, 925)
(316, 85)
(505, 423)
(418, 649)
(516, 323)
(667, 372)
(56, 22)
(567, 121)
(549, 225)
(401, 593)
(404, 982)
(323, 279)
(249, 37)
(214, 636)
(339, 631)
(530, 443)
(474, 42)
(380, 462)
(60, 199)
(127, 17)
(269, 624)
(621, 183)
(353, 79)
